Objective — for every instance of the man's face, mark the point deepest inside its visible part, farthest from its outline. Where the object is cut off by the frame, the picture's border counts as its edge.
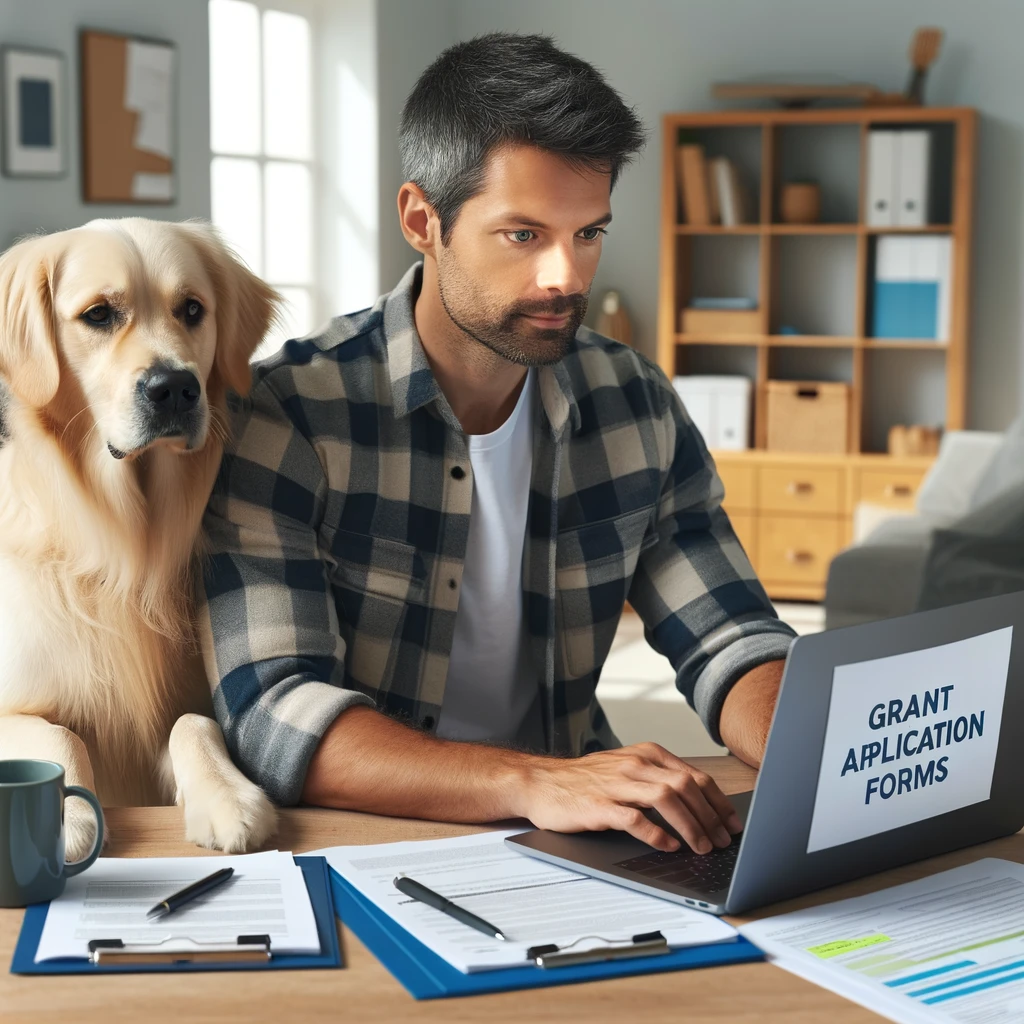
(517, 270)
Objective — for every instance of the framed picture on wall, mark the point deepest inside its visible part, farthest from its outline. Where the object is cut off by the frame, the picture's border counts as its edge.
(32, 86)
(128, 137)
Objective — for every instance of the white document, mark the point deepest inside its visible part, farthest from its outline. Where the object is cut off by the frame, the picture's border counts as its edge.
(883, 172)
(532, 902)
(946, 948)
(910, 737)
(147, 90)
(913, 170)
(267, 895)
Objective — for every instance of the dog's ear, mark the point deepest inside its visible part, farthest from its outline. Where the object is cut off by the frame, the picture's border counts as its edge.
(246, 307)
(28, 332)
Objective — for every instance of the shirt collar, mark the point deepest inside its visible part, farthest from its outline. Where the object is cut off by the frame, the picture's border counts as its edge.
(413, 384)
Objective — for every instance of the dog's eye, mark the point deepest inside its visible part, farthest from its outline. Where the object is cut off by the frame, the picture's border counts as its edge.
(98, 315)
(193, 312)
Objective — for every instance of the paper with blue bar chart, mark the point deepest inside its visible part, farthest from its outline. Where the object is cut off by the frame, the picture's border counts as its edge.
(949, 947)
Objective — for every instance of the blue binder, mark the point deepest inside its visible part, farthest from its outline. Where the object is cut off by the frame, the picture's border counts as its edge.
(426, 976)
(315, 872)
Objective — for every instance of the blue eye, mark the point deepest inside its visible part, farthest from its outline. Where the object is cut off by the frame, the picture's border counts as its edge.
(592, 234)
(522, 235)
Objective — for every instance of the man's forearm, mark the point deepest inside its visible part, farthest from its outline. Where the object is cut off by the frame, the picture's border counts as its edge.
(369, 762)
(747, 712)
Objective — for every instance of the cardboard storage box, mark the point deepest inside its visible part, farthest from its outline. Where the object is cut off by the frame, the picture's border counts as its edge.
(719, 408)
(720, 321)
(808, 416)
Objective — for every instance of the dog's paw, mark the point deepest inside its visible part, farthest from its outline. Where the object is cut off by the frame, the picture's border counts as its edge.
(79, 830)
(232, 815)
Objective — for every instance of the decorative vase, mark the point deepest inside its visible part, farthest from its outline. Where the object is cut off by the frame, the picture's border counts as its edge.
(800, 202)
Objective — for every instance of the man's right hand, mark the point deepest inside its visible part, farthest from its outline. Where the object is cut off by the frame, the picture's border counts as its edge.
(611, 789)
(368, 762)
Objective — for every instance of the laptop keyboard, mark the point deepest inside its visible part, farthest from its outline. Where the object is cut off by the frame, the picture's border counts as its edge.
(707, 873)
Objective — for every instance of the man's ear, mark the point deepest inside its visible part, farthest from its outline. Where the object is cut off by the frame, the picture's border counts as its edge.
(417, 218)
(28, 332)
(246, 307)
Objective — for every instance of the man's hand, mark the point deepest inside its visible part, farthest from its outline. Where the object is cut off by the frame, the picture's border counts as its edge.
(747, 712)
(611, 789)
(368, 762)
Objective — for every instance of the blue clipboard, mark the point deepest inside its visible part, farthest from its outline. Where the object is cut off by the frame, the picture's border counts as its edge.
(426, 976)
(315, 873)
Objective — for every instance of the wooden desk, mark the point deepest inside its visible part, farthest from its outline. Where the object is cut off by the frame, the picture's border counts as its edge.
(364, 991)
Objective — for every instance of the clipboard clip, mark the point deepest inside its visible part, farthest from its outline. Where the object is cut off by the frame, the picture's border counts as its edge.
(246, 949)
(644, 944)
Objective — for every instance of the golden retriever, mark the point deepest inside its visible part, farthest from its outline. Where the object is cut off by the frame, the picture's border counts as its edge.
(118, 343)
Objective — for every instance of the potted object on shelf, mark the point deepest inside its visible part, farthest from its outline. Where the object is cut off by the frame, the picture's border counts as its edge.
(800, 202)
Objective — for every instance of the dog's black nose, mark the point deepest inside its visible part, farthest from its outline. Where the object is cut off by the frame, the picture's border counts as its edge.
(172, 391)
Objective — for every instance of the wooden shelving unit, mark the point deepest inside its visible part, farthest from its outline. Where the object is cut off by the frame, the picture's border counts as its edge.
(769, 354)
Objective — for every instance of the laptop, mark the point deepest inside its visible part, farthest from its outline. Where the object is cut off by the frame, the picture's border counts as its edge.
(891, 742)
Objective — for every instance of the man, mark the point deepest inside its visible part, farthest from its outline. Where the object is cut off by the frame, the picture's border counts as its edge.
(435, 510)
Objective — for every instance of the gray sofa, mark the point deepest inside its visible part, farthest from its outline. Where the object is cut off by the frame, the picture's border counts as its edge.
(965, 540)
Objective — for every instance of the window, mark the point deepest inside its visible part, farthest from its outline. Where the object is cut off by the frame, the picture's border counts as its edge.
(261, 135)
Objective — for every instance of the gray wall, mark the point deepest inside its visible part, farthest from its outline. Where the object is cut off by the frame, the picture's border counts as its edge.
(662, 55)
(410, 34)
(32, 204)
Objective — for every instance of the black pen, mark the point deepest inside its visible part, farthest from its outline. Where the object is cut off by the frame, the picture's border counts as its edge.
(189, 893)
(420, 892)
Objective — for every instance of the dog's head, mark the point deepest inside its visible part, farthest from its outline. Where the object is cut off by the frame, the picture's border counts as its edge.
(143, 320)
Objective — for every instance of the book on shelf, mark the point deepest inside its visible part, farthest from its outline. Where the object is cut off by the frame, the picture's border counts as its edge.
(693, 185)
(729, 193)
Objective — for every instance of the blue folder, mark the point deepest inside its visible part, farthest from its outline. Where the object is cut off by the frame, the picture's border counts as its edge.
(315, 872)
(426, 976)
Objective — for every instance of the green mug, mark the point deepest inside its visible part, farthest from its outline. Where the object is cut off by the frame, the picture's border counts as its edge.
(32, 867)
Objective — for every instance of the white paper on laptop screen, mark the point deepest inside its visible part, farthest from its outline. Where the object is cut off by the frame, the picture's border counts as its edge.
(909, 737)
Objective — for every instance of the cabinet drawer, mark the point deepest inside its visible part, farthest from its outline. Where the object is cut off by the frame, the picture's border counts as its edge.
(744, 525)
(799, 488)
(795, 550)
(739, 485)
(897, 488)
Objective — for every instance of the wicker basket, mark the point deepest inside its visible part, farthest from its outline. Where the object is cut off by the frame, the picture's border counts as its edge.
(808, 416)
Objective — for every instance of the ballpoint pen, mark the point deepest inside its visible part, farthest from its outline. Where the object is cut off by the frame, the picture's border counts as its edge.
(189, 893)
(420, 892)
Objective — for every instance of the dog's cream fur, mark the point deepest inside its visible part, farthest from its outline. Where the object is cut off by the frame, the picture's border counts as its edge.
(99, 666)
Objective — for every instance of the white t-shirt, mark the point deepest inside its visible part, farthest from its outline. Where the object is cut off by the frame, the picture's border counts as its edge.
(491, 692)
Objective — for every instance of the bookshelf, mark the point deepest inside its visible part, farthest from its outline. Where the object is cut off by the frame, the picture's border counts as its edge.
(819, 275)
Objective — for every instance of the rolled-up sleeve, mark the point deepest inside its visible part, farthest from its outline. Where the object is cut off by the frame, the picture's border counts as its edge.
(695, 589)
(272, 648)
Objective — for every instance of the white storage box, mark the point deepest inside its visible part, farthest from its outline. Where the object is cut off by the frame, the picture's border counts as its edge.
(719, 408)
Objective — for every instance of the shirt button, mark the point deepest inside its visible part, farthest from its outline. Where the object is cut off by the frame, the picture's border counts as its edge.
(458, 472)
(452, 584)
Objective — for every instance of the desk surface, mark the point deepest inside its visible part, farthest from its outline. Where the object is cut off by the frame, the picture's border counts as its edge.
(364, 991)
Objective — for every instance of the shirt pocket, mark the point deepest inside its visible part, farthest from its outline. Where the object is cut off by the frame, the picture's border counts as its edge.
(374, 579)
(594, 566)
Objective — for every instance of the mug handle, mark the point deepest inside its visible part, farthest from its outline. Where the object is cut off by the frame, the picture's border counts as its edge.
(70, 870)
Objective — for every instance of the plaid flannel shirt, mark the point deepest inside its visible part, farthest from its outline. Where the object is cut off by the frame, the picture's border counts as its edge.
(337, 535)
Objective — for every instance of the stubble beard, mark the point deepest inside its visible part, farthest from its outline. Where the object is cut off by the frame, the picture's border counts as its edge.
(506, 332)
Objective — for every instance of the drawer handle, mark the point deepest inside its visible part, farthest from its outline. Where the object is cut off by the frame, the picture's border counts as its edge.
(799, 557)
(800, 487)
(898, 491)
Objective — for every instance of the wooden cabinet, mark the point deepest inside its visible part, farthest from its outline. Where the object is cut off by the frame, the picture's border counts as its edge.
(793, 513)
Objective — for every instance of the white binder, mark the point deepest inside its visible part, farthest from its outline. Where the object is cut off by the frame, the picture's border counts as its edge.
(882, 178)
(913, 161)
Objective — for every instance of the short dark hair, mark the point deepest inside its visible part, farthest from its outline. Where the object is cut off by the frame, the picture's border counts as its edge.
(504, 89)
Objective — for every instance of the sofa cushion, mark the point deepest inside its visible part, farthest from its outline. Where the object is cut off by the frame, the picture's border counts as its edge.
(1006, 468)
(881, 577)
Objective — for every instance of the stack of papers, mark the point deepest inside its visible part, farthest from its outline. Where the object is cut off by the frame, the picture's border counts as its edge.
(266, 896)
(949, 947)
(532, 902)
